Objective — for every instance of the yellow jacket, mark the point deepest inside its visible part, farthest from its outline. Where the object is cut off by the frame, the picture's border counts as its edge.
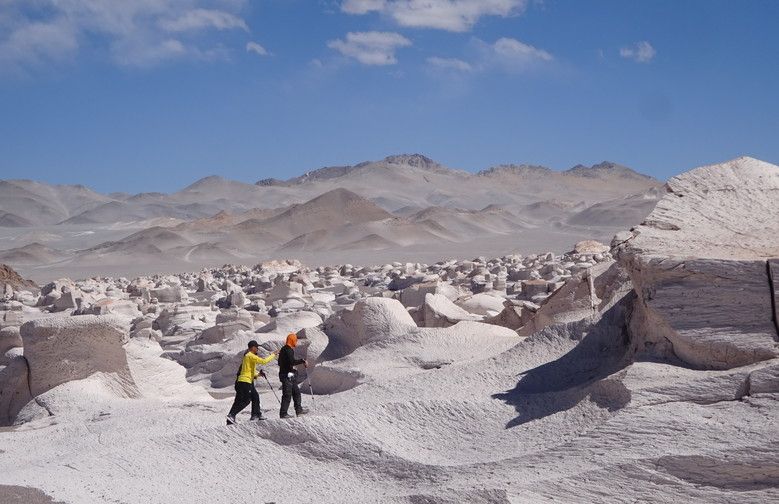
(249, 364)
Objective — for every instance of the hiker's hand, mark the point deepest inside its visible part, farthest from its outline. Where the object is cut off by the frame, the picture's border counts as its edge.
(262, 373)
(305, 363)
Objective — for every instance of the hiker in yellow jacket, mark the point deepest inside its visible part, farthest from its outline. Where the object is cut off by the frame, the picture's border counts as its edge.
(244, 383)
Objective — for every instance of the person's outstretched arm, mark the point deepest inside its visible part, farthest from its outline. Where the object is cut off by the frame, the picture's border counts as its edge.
(263, 360)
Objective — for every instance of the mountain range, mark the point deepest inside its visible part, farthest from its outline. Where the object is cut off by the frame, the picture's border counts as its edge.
(372, 210)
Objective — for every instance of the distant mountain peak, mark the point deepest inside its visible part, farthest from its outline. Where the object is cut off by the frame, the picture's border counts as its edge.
(268, 182)
(415, 160)
(205, 182)
(606, 169)
(514, 169)
(332, 172)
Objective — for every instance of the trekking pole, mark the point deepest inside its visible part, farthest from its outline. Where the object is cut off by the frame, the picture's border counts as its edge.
(310, 388)
(271, 388)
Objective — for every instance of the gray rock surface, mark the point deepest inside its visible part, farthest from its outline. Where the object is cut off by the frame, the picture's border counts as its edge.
(698, 264)
(63, 349)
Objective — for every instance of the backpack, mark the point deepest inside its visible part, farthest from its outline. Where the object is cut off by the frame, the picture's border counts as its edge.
(240, 367)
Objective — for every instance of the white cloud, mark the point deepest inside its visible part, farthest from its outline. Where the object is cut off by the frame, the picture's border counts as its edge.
(505, 55)
(134, 32)
(370, 48)
(39, 42)
(511, 55)
(513, 50)
(363, 6)
(257, 49)
(198, 19)
(450, 64)
(640, 52)
(451, 15)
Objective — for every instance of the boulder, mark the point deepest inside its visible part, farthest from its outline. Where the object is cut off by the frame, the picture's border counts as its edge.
(292, 322)
(61, 349)
(106, 306)
(183, 319)
(404, 282)
(14, 389)
(532, 288)
(416, 294)
(482, 304)
(511, 316)
(699, 266)
(590, 247)
(283, 291)
(66, 302)
(312, 342)
(516, 274)
(370, 320)
(765, 380)
(10, 337)
(220, 332)
(237, 299)
(439, 311)
(169, 294)
(585, 294)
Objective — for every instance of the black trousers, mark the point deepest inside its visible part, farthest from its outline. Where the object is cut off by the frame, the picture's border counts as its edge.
(245, 393)
(289, 391)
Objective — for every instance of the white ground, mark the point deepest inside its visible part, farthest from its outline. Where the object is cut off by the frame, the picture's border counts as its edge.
(454, 434)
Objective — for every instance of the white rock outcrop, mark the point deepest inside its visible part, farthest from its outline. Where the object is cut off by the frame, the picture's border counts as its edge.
(440, 311)
(371, 319)
(62, 349)
(699, 266)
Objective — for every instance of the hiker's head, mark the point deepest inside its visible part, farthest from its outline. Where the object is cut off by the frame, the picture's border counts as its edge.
(253, 346)
(292, 340)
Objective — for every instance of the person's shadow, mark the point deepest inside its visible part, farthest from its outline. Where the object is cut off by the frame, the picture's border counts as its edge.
(559, 385)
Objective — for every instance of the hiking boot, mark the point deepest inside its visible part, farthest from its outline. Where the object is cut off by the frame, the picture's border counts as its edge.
(230, 419)
(284, 416)
(301, 412)
(257, 418)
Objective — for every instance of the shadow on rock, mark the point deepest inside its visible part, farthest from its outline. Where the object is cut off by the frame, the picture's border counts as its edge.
(585, 372)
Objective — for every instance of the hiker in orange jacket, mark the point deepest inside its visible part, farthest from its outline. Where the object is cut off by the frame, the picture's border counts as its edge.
(288, 376)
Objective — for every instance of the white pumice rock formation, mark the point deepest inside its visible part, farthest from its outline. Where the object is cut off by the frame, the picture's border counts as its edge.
(706, 247)
(559, 378)
(62, 349)
(440, 311)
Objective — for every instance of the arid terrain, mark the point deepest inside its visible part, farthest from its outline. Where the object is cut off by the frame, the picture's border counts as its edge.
(402, 208)
(633, 356)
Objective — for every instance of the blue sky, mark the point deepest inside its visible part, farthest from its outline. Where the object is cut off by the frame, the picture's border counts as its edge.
(153, 94)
